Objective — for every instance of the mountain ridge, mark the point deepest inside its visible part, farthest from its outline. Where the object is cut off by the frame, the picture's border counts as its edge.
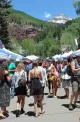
(45, 35)
(60, 19)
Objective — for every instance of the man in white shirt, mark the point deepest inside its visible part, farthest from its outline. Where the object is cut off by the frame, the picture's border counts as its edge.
(44, 76)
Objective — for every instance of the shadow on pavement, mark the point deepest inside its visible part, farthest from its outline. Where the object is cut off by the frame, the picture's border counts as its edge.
(30, 113)
(14, 112)
(31, 104)
(50, 96)
(65, 105)
(61, 97)
(78, 101)
(45, 93)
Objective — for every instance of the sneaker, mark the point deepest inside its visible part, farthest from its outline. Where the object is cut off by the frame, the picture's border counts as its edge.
(70, 107)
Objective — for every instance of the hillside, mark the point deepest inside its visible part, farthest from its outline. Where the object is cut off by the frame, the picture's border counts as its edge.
(23, 25)
(70, 33)
(34, 36)
(23, 17)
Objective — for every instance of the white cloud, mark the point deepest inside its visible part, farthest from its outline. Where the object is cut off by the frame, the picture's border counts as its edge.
(47, 15)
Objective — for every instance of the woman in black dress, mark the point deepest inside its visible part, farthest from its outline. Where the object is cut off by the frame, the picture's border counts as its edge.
(20, 90)
(35, 76)
(4, 91)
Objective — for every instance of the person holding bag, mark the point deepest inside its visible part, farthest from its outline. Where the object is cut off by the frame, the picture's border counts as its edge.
(20, 79)
(65, 77)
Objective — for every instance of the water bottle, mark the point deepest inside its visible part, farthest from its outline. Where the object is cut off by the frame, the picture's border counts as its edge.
(28, 92)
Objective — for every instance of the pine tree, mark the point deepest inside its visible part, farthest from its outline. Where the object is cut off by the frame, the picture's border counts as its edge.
(4, 21)
(77, 6)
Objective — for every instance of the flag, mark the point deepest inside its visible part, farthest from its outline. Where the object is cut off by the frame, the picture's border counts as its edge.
(76, 42)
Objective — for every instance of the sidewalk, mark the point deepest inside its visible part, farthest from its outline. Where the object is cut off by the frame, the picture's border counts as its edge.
(56, 110)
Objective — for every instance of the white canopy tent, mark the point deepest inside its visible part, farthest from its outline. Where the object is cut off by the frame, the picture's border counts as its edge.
(64, 55)
(57, 57)
(32, 57)
(77, 51)
(67, 54)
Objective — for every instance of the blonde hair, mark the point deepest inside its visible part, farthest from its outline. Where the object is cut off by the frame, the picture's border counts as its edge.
(20, 67)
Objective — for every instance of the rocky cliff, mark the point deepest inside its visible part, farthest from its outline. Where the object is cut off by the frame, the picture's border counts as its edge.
(22, 32)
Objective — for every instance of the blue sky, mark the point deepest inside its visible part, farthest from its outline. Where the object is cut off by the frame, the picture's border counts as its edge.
(45, 9)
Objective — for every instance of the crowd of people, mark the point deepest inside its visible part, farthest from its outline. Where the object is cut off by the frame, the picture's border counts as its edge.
(27, 78)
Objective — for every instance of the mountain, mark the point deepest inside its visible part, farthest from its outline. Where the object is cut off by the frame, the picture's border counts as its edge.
(40, 37)
(22, 25)
(60, 19)
(30, 35)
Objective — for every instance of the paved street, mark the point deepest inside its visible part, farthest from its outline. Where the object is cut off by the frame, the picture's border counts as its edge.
(56, 110)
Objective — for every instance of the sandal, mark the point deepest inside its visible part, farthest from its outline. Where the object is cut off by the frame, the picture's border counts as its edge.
(37, 115)
(6, 112)
(2, 116)
(42, 112)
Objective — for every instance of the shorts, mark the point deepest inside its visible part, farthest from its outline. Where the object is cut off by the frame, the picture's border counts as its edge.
(65, 83)
(75, 86)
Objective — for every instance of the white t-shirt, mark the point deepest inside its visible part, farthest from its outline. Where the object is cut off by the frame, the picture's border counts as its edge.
(44, 75)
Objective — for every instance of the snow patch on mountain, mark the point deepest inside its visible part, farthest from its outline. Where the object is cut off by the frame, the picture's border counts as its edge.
(60, 19)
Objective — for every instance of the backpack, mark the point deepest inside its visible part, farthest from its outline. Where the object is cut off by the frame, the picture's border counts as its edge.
(69, 70)
(21, 80)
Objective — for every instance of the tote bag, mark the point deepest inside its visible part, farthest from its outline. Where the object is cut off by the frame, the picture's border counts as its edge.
(65, 76)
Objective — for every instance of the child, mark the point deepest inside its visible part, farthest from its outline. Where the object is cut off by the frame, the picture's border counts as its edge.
(50, 80)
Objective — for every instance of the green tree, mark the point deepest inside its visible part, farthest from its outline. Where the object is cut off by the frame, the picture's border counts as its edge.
(47, 47)
(40, 49)
(29, 46)
(4, 16)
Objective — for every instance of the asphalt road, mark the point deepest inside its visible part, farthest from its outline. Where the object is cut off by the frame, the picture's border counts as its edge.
(56, 110)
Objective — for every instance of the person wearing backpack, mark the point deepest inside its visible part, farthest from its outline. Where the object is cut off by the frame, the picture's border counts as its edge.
(20, 79)
(65, 77)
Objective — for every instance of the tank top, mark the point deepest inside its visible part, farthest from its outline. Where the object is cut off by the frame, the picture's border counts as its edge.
(77, 65)
(76, 75)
